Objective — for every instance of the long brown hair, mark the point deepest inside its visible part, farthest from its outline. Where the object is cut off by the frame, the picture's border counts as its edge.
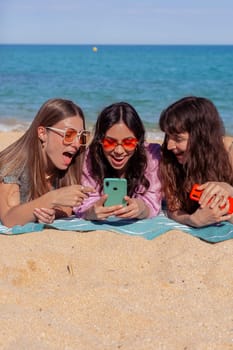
(25, 154)
(207, 158)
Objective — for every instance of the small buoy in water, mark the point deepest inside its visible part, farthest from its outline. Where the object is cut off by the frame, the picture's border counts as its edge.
(94, 49)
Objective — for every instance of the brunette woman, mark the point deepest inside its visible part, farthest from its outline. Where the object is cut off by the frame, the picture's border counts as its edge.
(195, 150)
(119, 150)
(40, 173)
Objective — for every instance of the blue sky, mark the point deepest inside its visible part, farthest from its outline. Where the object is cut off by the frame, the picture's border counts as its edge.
(116, 21)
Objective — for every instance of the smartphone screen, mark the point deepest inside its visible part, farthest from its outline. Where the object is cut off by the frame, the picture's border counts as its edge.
(116, 189)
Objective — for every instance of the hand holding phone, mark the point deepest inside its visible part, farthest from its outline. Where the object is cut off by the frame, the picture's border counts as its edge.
(116, 189)
(195, 195)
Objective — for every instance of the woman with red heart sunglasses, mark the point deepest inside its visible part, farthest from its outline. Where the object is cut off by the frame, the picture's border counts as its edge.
(118, 150)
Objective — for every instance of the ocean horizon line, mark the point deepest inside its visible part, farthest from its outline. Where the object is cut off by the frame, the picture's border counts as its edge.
(116, 44)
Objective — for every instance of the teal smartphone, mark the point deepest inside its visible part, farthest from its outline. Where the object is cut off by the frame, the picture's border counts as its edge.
(116, 189)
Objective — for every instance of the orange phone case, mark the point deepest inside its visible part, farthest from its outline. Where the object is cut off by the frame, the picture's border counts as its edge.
(195, 195)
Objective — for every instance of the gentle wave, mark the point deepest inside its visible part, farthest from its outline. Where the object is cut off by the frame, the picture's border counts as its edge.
(148, 77)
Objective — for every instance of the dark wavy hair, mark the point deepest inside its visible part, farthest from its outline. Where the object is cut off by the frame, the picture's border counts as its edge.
(207, 158)
(99, 165)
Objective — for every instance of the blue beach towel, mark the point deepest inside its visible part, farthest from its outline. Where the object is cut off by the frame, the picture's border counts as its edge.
(147, 228)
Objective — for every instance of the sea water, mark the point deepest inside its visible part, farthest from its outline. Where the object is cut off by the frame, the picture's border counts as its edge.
(150, 77)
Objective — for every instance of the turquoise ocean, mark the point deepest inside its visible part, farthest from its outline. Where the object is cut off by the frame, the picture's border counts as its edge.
(148, 77)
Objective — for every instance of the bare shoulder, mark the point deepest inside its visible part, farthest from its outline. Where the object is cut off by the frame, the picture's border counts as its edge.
(9, 190)
(10, 197)
(228, 143)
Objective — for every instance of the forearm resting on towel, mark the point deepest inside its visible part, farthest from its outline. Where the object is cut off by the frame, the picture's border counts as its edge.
(12, 212)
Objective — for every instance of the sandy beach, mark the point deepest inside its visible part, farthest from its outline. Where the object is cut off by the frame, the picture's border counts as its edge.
(101, 290)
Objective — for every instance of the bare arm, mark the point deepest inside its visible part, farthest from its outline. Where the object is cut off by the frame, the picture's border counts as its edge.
(182, 217)
(12, 212)
(202, 216)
